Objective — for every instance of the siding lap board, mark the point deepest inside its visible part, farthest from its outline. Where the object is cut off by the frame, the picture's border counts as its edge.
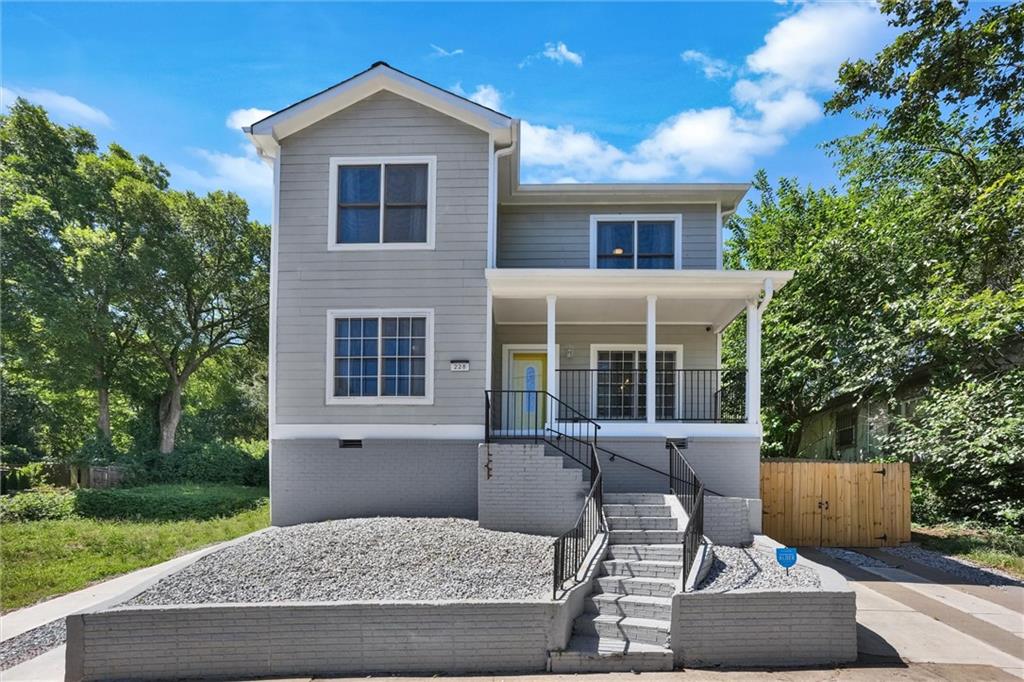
(449, 278)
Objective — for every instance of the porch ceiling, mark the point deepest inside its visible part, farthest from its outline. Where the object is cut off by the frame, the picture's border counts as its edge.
(707, 297)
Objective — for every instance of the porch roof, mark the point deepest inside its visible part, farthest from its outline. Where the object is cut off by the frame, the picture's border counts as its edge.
(704, 297)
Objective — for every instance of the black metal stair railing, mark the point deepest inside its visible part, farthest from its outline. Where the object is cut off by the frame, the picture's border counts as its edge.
(689, 490)
(539, 417)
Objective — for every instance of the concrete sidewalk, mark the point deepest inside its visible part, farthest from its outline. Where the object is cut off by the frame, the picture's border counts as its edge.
(903, 616)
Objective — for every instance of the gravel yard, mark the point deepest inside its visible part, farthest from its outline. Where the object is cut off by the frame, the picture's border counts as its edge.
(366, 559)
(747, 568)
(31, 643)
(961, 568)
(852, 557)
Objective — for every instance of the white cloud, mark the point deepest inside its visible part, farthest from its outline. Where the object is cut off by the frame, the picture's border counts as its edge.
(441, 52)
(805, 49)
(775, 99)
(244, 173)
(557, 52)
(485, 94)
(63, 107)
(713, 68)
(241, 118)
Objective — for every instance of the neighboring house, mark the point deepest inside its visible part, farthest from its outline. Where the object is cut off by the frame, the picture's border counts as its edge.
(423, 299)
(853, 428)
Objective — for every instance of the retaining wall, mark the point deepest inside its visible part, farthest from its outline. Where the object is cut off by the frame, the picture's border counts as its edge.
(729, 520)
(523, 490)
(751, 628)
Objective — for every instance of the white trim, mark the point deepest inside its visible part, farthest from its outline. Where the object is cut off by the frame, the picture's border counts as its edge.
(426, 399)
(595, 347)
(720, 235)
(275, 247)
(616, 429)
(381, 431)
(267, 132)
(506, 359)
(677, 238)
(382, 161)
(492, 202)
(602, 323)
(489, 343)
(651, 331)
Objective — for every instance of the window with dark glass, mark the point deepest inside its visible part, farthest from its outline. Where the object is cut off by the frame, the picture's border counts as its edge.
(846, 429)
(636, 244)
(382, 203)
(622, 384)
(380, 356)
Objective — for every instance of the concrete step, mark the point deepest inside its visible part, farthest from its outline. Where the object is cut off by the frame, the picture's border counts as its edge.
(634, 498)
(602, 654)
(646, 552)
(642, 630)
(637, 510)
(642, 569)
(645, 537)
(629, 605)
(651, 587)
(641, 522)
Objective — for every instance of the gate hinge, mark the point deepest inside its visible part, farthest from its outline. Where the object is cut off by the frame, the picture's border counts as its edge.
(881, 471)
(884, 537)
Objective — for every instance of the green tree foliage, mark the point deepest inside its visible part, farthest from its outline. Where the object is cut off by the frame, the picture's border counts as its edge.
(918, 264)
(117, 287)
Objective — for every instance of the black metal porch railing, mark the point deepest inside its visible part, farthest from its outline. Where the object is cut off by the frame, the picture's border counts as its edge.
(689, 490)
(681, 395)
(540, 417)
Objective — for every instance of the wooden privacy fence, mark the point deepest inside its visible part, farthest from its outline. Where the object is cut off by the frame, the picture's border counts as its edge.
(813, 503)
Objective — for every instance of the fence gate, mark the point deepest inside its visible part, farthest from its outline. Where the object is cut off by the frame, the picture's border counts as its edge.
(836, 504)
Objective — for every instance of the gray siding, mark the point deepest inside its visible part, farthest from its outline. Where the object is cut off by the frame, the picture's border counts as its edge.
(559, 236)
(448, 279)
(315, 480)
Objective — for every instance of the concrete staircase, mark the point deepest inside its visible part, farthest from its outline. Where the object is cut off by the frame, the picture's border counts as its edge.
(627, 619)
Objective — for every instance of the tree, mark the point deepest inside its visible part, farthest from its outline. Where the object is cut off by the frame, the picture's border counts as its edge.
(204, 288)
(73, 224)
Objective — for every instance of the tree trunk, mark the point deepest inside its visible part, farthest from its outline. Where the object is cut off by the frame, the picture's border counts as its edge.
(103, 402)
(170, 415)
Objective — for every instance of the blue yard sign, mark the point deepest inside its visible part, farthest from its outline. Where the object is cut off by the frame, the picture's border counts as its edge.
(786, 556)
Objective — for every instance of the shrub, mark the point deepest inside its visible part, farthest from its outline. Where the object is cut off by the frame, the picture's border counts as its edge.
(168, 502)
(40, 504)
(242, 463)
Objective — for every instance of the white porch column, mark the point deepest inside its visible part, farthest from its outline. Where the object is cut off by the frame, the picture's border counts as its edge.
(552, 378)
(652, 348)
(753, 401)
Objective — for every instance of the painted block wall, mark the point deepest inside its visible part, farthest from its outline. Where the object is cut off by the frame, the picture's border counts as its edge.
(314, 479)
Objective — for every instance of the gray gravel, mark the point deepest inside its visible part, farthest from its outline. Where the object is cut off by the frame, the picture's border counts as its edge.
(31, 643)
(366, 559)
(961, 568)
(747, 568)
(852, 557)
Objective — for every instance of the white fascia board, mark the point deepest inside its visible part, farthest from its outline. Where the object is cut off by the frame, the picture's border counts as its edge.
(727, 194)
(616, 429)
(302, 114)
(593, 283)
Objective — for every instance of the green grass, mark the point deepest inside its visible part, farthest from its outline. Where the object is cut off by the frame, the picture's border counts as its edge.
(47, 558)
(989, 547)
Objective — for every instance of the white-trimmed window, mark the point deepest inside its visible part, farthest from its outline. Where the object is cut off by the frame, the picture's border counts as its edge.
(382, 202)
(380, 356)
(620, 381)
(636, 242)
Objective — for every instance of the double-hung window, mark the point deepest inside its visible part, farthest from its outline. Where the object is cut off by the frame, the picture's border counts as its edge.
(641, 242)
(380, 356)
(382, 202)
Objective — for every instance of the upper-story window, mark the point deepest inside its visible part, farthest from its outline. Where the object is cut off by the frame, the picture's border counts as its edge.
(382, 202)
(636, 242)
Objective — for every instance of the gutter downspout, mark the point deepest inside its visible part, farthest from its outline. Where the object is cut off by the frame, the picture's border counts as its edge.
(769, 292)
(492, 260)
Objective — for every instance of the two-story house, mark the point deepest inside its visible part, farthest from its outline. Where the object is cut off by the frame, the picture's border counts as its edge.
(424, 299)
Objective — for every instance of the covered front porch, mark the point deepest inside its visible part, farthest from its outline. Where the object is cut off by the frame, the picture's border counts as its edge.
(572, 345)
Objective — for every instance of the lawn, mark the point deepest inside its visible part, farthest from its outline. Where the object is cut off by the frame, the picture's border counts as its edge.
(47, 558)
(1000, 549)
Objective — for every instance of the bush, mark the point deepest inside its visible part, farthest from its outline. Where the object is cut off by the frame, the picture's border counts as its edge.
(242, 463)
(41, 504)
(168, 502)
(969, 440)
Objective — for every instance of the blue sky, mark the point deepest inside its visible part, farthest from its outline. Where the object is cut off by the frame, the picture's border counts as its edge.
(607, 92)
